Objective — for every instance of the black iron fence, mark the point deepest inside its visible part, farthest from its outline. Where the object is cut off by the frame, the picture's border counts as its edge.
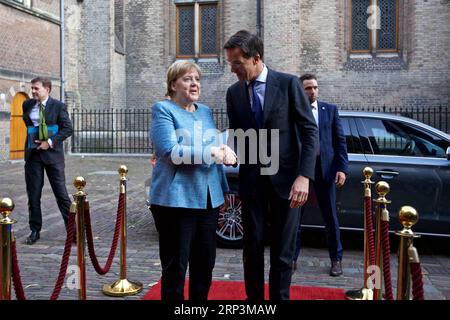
(126, 130)
(111, 131)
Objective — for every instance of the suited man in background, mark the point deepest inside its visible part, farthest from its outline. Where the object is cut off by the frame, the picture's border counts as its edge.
(266, 99)
(45, 153)
(331, 170)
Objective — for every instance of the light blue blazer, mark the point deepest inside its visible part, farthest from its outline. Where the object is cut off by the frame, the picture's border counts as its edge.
(185, 171)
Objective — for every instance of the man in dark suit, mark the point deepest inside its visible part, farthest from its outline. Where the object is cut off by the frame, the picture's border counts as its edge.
(45, 152)
(331, 170)
(266, 99)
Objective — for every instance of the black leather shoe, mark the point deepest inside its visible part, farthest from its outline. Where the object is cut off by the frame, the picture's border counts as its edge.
(34, 236)
(336, 269)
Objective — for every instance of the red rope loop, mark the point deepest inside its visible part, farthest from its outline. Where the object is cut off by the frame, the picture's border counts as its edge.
(388, 295)
(417, 281)
(65, 258)
(90, 241)
(17, 281)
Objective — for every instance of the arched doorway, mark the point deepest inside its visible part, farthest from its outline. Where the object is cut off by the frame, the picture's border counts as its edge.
(18, 130)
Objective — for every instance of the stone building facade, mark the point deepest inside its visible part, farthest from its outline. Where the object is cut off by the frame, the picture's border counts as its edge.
(30, 47)
(125, 47)
(366, 53)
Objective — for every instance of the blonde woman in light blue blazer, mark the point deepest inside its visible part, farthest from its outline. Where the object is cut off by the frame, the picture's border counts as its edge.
(187, 184)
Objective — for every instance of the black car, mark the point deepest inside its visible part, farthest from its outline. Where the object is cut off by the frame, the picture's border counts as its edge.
(412, 157)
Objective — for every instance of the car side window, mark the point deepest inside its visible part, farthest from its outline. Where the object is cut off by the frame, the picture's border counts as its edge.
(351, 136)
(426, 143)
(399, 139)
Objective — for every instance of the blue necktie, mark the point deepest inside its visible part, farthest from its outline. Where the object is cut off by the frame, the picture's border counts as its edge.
(256, 106)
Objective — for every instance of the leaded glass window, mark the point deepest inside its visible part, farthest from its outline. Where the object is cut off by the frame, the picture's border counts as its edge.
(208, 29)
(374, 25)
(197, 29)
(387, 34)
(360, 31)
(186, 31)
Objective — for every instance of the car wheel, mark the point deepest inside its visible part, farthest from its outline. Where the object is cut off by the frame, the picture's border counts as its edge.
(229, 227)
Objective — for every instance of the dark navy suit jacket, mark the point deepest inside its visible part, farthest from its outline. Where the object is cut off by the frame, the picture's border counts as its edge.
(55, 113)
(286, 108)
(333, 148)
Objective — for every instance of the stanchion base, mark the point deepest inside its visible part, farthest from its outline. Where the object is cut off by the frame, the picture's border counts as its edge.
(359, 294)
(121, 288)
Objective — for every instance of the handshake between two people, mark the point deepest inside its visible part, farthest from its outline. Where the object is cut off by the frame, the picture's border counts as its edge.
(224, 154)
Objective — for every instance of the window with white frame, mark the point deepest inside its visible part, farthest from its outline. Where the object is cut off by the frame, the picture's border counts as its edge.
(197, 29)
(374, 26)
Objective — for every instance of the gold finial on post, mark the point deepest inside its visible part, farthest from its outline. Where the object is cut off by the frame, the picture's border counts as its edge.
(382, 189)
(408, 217)
(123, 170)
(368, 173)
(79, 184)
(6, 208)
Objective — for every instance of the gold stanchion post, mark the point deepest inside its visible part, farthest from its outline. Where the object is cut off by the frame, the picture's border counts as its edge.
(382, 189)
(408, 217)
(80, 197)
(123, 287)
(364, 293)
(6, 223)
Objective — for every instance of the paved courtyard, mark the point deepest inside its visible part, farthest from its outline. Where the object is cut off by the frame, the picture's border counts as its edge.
(39, 263)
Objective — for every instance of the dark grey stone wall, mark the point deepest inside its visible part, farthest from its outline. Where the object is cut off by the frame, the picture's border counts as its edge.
(95, 54)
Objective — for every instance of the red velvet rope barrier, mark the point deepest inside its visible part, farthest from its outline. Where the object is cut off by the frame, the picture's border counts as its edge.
(65, 258)
(18, 287)
(17, 281)
(369, 224)
(89, 237)
(388, 295)
(417, 282)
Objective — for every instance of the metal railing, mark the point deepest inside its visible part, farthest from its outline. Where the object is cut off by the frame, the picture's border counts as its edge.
(114, 131)
(111, 131)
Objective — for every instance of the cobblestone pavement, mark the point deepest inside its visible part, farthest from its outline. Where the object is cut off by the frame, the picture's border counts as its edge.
(39, 263)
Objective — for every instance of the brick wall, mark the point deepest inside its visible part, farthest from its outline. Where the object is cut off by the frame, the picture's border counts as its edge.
(72, 61)
(423, 59)
(50, 7)
(118, 84)
(4, 135)
(30, 47)
(96, 48)
(28, 43)
(300, 36)
(147, 40)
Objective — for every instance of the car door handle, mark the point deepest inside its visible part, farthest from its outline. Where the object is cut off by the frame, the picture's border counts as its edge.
(387, 174)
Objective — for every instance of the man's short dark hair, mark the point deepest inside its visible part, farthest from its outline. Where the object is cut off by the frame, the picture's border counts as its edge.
(249, 43)
(46, 82)
(307, 76)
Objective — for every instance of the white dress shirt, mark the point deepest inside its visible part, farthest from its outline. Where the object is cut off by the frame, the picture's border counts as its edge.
(315, 111)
